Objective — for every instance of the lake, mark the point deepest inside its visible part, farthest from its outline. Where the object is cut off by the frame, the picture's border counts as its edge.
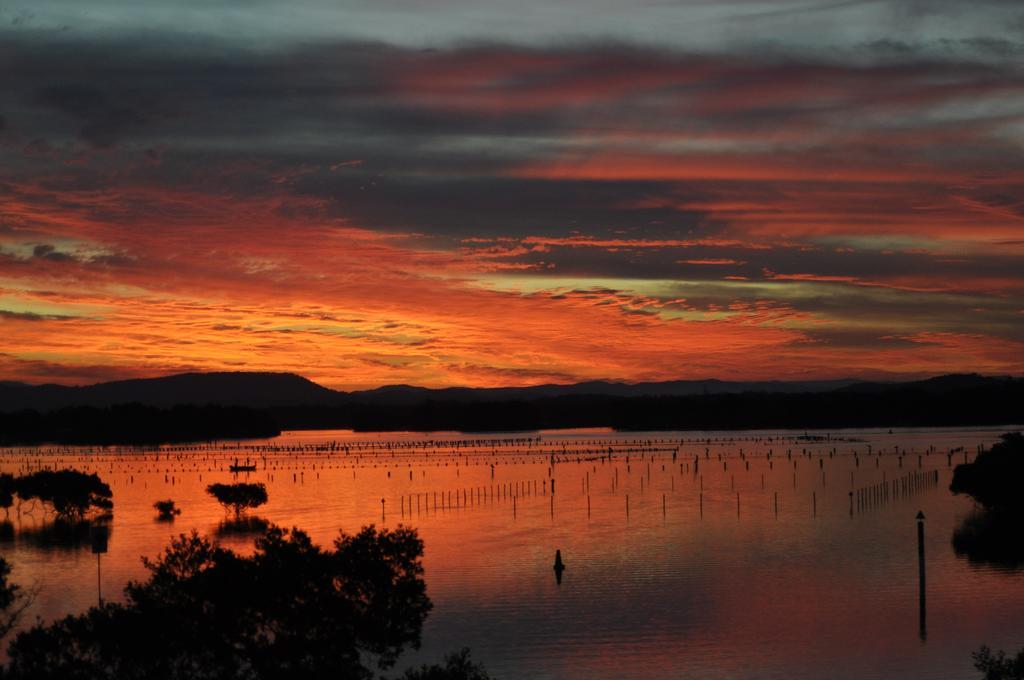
(689, 555)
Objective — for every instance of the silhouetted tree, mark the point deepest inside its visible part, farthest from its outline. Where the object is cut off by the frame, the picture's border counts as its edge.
(996, 477)
(997, 666)
(14, 600)
(456, 667)
(6, 491)
(290, 610)
(166, 509)
(70, 493)
(238, 497)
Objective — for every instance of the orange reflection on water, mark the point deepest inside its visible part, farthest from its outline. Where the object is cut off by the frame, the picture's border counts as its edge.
(702, 578)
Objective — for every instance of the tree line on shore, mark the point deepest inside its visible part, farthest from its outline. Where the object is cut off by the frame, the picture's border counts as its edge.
(135, 424)
(990, 404)
(995, 403)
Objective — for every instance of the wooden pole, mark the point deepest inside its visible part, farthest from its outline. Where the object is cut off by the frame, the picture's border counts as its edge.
(921, 577)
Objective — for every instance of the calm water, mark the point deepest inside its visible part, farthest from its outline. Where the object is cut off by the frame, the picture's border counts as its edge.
(687, 583)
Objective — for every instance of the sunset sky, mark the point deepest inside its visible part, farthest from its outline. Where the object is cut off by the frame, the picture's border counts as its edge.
(493, 193)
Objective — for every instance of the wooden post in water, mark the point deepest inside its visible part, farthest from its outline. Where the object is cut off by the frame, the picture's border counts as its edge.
(920, 574)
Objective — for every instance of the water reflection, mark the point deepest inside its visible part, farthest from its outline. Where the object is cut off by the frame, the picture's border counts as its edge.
(991, 538)
(62, 535)
(792, 586)
(242, 526)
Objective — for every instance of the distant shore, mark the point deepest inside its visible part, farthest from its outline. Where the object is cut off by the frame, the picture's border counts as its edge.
(135, 424)
(990, 404)
(749, 411)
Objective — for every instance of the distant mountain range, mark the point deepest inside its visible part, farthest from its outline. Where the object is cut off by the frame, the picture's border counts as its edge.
(276, 390)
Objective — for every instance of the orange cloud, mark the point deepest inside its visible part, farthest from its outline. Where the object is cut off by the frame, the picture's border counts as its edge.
(201, 282)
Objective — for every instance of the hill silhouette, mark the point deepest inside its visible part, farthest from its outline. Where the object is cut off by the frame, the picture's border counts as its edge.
(252, 390)
(407, 394)
(269, 390)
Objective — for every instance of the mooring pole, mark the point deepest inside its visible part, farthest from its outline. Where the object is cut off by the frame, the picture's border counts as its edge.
(920, 571)
(98, 535)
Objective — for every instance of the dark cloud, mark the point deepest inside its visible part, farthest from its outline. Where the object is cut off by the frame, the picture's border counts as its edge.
(471, 206)
(32, 316)
(399, 139)
(38, 147)
(104, 119)
(45, 251)
(48, 252)
(440, 109)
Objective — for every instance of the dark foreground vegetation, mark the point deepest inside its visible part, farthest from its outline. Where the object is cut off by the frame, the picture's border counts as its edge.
(290, 610)
(999, 666)
(13, 600)
(995, 480)
(135, 424)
